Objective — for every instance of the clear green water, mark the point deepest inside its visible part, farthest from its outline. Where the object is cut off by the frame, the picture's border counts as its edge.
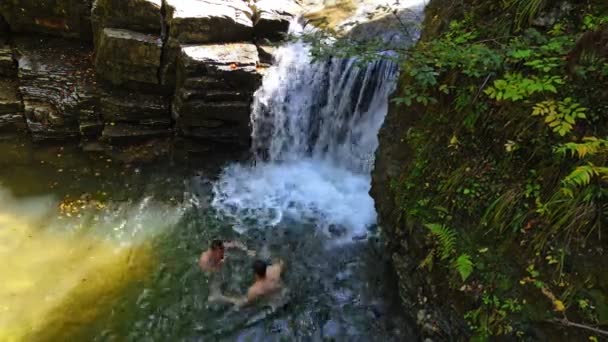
(336, 292)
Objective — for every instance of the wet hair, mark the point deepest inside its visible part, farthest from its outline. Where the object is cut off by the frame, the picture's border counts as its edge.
(259, 268)
(217, 244)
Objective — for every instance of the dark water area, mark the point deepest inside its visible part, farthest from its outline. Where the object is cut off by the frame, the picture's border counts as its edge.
(336, 291)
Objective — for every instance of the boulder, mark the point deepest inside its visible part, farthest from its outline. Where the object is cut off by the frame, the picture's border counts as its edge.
(215, 86)
(128, 58)
(66, 18)
(272, 18)
(57, 83)
(202, 22)
(11, 108)
(142, 16)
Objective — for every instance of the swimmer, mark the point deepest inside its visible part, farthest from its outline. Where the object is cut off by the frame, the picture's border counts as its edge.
(267, 282)
(212, 259)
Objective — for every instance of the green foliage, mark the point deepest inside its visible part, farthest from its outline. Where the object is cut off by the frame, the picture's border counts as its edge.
(516, 87)
(464, 266)
(589, 147)
(592, 22)
(560, 116)
(525, 10)
(582, 176)
(492, 317)
(446, 238)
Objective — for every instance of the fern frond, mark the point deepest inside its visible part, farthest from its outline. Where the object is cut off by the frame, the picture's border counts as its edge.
(464, 266)
(446, 238)
(590, 146)
(582, 176)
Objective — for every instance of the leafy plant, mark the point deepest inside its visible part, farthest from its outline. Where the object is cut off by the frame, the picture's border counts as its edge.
(464, 266)
(446, 238)
(582, 176)
(589, 147)
(515, 87)
(560, 116)
(526, 10)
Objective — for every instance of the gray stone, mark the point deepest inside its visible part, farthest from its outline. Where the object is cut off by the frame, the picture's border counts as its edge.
(57, 83)
(142, 16)
(10, 102)
(148, 110)
(128, 58)
(11, 108)
(201, 22)
(272, 18)
(266, 53)
(215, 87)
(121, 133)
(66, 18)
(209, 21)
(7, 63)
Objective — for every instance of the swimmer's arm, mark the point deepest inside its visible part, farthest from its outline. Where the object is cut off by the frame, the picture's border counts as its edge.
(252, 295)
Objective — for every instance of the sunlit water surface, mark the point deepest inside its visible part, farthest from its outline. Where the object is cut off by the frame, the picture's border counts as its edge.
(95, 248)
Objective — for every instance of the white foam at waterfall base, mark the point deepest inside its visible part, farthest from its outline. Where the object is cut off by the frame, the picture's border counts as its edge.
(315, 128)
(306, 190)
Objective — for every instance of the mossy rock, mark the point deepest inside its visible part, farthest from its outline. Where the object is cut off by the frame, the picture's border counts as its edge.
(125, 57)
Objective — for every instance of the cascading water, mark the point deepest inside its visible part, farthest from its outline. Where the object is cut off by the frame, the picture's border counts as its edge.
(315, 128)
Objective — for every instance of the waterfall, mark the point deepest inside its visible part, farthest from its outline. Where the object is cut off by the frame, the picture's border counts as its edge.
(315, 132)
(327, 111)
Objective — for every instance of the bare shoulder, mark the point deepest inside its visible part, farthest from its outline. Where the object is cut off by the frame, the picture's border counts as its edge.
(203, 261)
(254, 292)
(274, 271)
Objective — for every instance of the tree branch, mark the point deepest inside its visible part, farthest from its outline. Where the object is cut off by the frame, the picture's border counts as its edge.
(567, 323)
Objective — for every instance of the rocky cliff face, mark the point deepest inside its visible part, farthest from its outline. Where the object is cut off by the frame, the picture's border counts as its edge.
(118, 70)
(450, 163)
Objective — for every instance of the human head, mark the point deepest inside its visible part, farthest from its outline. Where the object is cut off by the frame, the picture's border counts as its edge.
(217, 247)
(259, 269)
(217, 244)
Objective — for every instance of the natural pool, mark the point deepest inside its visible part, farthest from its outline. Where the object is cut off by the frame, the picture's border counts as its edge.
(100, 247)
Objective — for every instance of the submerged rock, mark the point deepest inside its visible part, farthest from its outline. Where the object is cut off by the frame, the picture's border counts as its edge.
(214, 91)
(66, 18)
(58, 88)
(53, 285)
(128, 57)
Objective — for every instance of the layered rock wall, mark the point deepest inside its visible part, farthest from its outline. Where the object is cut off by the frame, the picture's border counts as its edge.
(119, 70)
